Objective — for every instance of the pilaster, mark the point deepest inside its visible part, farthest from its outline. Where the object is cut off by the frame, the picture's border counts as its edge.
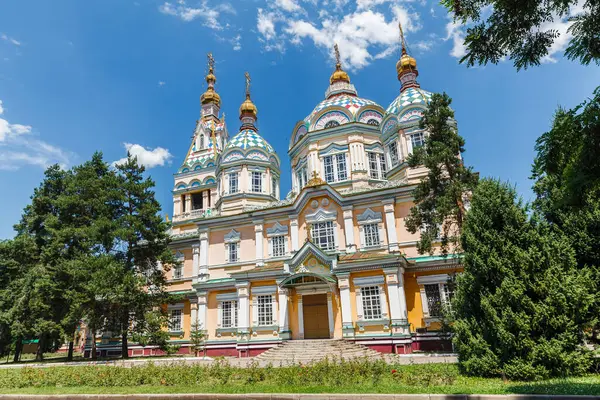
(344, 286)
(390, 224)
(203, 274)
(258, 238)
(202, 309)
(243, 290)
(195, 262)
(294, 232)
(397, 301)
(300, 316)
(284, 325)
(349, 229)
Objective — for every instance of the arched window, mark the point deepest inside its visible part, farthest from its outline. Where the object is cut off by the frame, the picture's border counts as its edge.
(201, 141)
(332, 124)
(373, 122)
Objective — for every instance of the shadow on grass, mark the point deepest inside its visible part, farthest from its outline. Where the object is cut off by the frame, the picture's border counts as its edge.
(562, 387)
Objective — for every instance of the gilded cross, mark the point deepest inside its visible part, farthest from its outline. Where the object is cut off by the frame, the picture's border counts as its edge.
(247, 75)
(337, 54)
(211, 61)
(402, 40)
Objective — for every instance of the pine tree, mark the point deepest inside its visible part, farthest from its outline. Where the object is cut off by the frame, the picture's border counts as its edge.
(142, 249)
(567, 184)
(440, 197)
(521, 303)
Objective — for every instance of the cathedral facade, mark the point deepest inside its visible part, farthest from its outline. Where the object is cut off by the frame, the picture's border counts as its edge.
(332, 258)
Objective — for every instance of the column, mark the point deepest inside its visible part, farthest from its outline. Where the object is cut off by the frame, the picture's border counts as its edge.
(203, 273)
(193, 312)
(330, 314)
(344, 285)
(258, 238)
(397, 300)
(349, 229)
(294, 232)
(176, 206)
(284, 326)
(390, 224)
(202, 303)
(195, 261)
(244, 309)
(188, 202)
(205, 199)
(300, 317)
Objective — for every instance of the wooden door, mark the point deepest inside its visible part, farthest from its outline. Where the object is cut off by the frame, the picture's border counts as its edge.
(316, 318)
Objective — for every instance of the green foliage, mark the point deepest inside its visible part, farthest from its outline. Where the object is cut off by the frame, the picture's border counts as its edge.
(521, 304)
(150, 332)
(525, 31)
(440, 197)
(567, 184)
(197, 338)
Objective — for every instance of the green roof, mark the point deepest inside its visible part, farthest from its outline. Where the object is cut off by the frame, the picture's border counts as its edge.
(434, 258)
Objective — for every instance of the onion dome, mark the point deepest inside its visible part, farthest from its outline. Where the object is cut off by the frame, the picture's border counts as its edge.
(210, 96)
(248, 139)
(339, 75)
(406, 64)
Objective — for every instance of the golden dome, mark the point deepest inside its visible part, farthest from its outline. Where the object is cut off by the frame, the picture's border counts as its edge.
(210, 96)
(248, 107)
(406, 63)
(339, 75)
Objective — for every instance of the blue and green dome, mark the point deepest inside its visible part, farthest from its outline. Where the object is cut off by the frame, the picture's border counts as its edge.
(248, 139)
(408, 105)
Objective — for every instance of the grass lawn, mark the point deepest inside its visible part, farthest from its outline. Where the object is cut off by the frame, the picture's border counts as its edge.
(323, 377)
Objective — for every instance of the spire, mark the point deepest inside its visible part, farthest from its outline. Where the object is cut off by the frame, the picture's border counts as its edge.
(248, 110)
(210, 99)
(406, 66)
(339, 75)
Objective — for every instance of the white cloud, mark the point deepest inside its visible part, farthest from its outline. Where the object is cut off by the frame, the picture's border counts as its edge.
(162, 83)
(288, 5)
(207, 13)
(454, 31)
(367, 33)
(19, 148)
(9, 39)
(236, 42)
(560, 43)
(146, 157)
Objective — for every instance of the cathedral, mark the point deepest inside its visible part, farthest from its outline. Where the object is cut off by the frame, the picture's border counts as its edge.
(330, 259)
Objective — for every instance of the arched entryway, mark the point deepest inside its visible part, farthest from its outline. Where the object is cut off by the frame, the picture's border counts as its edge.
(313, 294)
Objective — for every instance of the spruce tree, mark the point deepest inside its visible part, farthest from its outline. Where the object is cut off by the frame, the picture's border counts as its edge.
(440, 197)
(521, 304)
(141, 248)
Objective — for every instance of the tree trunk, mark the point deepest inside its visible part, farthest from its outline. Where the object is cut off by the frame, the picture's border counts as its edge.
(39, 355)
(93, 354)
(70, 353)
(124, 350)
(18, 349)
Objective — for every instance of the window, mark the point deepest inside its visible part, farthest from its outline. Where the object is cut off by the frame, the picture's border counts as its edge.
(373, 122)
(448, 294)
(434, 300)
(376, 165)
(371, 235)
(175, 320)
(273, 187)
(229, 314)
(302, 176)
(335, 168)
(178, 272)
(371, 301)
(256, 182)
(323, 235)
(232, 252)
(417, 140)
(233, 182)
(265, 310)
(278, 243)
(197, 201)
(331, 124)
(201, 145)
(394, 158)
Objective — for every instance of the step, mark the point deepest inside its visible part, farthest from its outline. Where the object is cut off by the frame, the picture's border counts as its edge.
(296, 351)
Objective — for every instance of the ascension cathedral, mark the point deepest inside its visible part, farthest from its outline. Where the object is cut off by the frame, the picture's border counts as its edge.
(330, 259)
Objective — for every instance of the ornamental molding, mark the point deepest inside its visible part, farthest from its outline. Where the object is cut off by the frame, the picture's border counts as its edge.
(368, 217)
(232, 237)
(433, 279)
(321, 215)
(277, 229)
(369, 281)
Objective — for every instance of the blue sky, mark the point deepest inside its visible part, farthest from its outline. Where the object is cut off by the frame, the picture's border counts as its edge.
(76, 77)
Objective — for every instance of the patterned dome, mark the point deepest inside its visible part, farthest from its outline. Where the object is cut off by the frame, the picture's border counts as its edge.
(351, 103)
(408, 98)
(248, 139)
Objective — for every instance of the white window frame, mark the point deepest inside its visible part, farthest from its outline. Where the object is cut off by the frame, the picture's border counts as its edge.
(256, 181)
(370, 282)
(278, 246)
(328, 227)
(417, 137)
(231, 320)
(273, 186)
(302, 177)
(176, 319)
(377, 165)
(233, 177)
(394, 153)
(178, 271)
(266, 291)
(370, 218)
(441, 281)
(233, 249)
(371, 303)
(333, 162)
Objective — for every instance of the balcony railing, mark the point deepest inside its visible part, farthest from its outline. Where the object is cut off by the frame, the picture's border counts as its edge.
(195, 214)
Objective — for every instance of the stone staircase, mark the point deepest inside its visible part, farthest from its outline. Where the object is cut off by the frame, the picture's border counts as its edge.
(307, 351)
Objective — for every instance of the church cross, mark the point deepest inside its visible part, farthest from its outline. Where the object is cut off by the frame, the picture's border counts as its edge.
(211, 62)
(337, 54)
(247, 75)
